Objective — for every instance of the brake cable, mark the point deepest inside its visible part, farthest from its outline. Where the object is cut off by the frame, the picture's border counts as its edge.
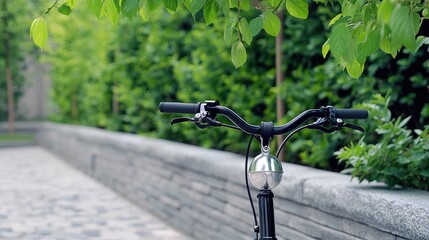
(256, 227)
(287, 138)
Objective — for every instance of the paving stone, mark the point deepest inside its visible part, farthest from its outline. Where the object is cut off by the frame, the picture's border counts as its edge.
(11, 235)
(92, 233)
(43, 198)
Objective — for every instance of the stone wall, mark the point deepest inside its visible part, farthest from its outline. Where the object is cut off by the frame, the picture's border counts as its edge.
(201, 192)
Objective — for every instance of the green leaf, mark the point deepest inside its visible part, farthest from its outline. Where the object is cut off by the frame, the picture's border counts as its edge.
(255, 25)
(144, 11)
(245, 31)
(347, 171)
(425, 12)
(355, 69)
(388, 47)
(224, 5)
(384, 12)
(153, 4)
(210, 11)
(342, 43)
(271, 23)
(187, 4)
(229, 30)
(196, 6)
(369, 10)
(333, 20)
(347, 9)
(95, 6)
(404, 160)
(112, 10)
(129, 7)
(72, 3)
(233, 3)
(420, 41)
(404, 122)
(238, 54)
(404, 26)
(424, 173)
(325, 48)
(369, 46)
(390, 171)
(64, 9)
(171, 4)
(297, 8)
(39, 32)
(245, 5)
(357, 7)
(147, 7)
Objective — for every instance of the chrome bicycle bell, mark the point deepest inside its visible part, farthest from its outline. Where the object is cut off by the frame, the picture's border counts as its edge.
(265, 171)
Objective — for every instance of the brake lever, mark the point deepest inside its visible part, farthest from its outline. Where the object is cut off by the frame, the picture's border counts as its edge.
(212, 122)
(355, 127)
(329, 130)
(201, 123)
(339, 123)
(332, 125)
(202, 126)
(182, 119)
(324, 125)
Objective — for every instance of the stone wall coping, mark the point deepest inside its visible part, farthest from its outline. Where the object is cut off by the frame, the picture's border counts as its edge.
(403, 212)
(22, 126)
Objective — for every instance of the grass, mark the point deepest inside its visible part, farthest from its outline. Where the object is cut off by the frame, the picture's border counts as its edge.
(16, 137)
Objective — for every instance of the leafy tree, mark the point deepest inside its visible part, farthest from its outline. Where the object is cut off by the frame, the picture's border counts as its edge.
(13, 22)
(79, 68)
(360, 29)
(7, 65)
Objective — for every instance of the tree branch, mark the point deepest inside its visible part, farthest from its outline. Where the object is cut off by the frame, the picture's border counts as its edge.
(49, 9)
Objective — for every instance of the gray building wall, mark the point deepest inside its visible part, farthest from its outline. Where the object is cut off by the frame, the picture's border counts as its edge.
(201, 192)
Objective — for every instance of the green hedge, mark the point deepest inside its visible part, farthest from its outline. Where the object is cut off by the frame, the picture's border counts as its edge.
(114, 77)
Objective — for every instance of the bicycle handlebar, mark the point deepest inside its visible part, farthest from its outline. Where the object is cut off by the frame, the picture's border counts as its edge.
(177, 107)
(350, 113)
(194, 108)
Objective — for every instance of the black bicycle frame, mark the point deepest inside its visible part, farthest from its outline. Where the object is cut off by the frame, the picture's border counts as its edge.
(267, 227)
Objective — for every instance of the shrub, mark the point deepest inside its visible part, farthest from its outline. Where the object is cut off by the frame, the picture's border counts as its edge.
(398, 158)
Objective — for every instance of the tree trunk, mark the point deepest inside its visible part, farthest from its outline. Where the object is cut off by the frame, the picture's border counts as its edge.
(280, 106)
(10, 98)
(74, 108)
(115, 100)
(8, 71)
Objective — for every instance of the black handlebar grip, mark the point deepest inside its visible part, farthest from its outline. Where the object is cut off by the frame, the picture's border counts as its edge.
(176, 107)
(350, 113)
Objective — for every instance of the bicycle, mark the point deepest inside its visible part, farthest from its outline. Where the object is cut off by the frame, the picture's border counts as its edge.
(265, 171)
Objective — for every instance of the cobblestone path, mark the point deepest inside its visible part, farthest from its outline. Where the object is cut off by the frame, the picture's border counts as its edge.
(42, 198)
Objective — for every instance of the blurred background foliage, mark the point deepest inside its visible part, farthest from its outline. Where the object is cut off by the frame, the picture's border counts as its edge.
(114, 76)
(19, 15)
